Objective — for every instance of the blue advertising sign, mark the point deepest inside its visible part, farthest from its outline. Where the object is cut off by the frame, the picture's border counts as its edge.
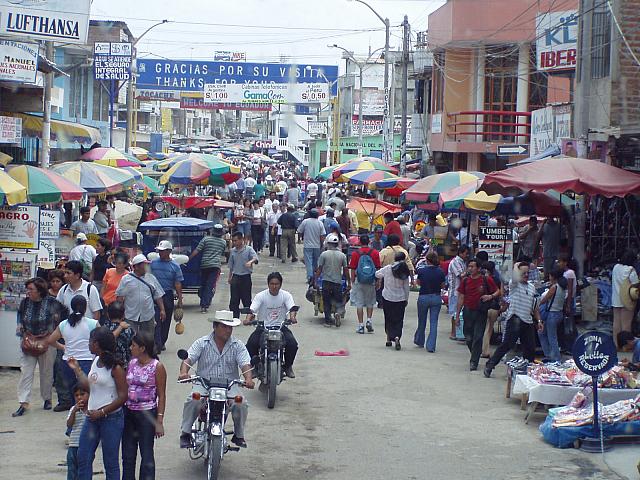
(191, 76)
(595, 353)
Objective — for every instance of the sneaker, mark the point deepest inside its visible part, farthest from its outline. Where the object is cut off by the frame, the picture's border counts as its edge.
(19, 412)
(369, 327)
(360, 329)
(289, 372)
(61, 407)
(487, 372)
(473, 367)
(47, 405)
(397, 341)
(328, 324)
(185, 440)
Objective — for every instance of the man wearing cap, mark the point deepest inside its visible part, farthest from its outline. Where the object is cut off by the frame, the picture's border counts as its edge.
(217, 355)
(139, 290)
(212, 249)
(170, 277)
(313, 232)
(84, 224)
(83, 253)
(241, 261)
(332, 265)
(288, 239)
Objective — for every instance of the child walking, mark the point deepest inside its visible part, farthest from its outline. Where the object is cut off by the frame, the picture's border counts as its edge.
(75, 421)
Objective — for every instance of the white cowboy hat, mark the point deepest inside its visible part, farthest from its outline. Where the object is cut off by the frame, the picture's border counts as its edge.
(225, 317)
(629, 294)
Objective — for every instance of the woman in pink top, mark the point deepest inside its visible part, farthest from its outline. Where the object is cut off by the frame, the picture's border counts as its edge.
(144, 409)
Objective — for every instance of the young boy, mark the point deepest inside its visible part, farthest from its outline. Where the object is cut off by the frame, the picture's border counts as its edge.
(75, 421)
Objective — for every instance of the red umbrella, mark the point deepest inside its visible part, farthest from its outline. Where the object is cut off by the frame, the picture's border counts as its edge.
(372, 206)
(564, 174)
(184, 202)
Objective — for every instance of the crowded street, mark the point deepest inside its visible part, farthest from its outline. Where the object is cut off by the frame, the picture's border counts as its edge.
(363, 239)
(376, 413)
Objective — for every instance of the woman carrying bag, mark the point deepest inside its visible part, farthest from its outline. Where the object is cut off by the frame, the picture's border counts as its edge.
(38, 315)
(551, 313)
(395, 293)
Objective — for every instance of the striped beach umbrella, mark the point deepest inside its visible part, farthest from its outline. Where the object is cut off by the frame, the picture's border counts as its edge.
(327, 172)
(95, 178)
(363, 163)
(365, 177)
(428, 189)
(110, 157)
(45, 186)
(11, 191)
(201, 169)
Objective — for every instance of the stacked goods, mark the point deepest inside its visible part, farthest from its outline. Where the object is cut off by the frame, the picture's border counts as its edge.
(622, 411)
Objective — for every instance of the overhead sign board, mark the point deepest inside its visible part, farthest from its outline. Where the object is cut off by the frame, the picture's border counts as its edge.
(508, 150)
(196, 101)
(18, 61)
(49, 224)
(498, 243)
(112, 60)
(62, 20)
(556, 44)
(370, 125)
(10, 130)
(373, 101)
(19, 227)
(226, 56)
(160, 95)
(275, 93)
(191, 76)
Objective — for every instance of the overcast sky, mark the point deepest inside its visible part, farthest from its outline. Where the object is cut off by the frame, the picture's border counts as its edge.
(264, 29)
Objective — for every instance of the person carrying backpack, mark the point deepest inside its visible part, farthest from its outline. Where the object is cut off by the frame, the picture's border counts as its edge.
(363, 265)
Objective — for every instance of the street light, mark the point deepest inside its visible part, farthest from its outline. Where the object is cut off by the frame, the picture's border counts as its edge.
(348, 54)
(386, 120)
(127, 140)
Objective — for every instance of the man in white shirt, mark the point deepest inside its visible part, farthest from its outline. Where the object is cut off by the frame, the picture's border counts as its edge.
(271, 306)
(312, 191)
(272, 225)
(139, 290)
(83, 253)
(77, 286)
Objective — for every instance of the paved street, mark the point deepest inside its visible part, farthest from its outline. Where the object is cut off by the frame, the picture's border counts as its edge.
(375, 414)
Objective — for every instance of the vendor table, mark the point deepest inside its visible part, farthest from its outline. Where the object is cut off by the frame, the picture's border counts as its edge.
(540, 393)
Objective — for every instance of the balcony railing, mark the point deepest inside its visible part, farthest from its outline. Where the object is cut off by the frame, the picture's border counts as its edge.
(489, 126)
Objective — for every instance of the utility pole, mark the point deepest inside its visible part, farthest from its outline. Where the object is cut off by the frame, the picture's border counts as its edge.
(46, 118)
(386, 119)
(360, 119)
(405, 81)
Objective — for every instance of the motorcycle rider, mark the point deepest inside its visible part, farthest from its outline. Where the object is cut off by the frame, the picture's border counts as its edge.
(218, 355)
(271, 307)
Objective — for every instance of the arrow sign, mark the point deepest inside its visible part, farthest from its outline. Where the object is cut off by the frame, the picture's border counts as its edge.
(507, 150)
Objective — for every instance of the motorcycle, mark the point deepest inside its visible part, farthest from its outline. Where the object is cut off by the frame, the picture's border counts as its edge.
(269, 367)
(208, 438)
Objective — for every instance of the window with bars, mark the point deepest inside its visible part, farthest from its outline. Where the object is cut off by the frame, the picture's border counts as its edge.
(600, 41)
(79, 92)
(100, 102)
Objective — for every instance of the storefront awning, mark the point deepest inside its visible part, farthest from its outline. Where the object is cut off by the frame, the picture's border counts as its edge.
(63, 133)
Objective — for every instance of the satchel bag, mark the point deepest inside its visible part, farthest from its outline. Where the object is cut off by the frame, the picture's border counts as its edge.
(34, 345)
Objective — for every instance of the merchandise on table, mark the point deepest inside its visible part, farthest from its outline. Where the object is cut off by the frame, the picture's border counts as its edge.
(621, 411)
(567, 374)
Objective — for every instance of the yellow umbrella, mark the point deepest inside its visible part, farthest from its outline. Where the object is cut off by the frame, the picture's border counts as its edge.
(12, 192)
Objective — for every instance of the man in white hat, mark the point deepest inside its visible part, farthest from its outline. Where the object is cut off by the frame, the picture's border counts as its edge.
(218, 355)
(170, 277)
(83, 253)
(139, 290)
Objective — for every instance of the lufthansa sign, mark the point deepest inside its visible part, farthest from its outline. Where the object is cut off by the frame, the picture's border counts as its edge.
(63, 20)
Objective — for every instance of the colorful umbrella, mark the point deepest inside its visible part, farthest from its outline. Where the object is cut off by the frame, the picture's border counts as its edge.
(429, 188)
(134, 172)
(363, 163)
(327, 172)
(139, 152)
(11, 191)
(45, 186)
(372, 206)
(201, 168)
(392, 183)
(465, 196)
(95, 178)
(148, 185)
(365, 177)
(110, 157)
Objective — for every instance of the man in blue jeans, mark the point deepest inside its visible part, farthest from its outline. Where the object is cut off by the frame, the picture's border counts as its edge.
(313, 232)
(212, 249)
(170, 278)
(523, 318)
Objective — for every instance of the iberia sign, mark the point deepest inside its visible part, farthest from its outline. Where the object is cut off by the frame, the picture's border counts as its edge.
(66, 20)
(275, 93)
